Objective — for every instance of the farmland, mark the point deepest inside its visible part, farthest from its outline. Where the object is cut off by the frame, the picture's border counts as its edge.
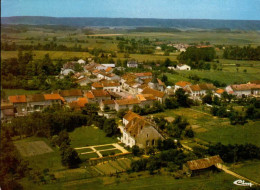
(213, 129)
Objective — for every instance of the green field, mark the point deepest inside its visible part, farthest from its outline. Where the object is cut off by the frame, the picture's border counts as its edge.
(214, 129)
(11, 92)
(51, 160)
(87, 136)
(249, 169)
(143, 180)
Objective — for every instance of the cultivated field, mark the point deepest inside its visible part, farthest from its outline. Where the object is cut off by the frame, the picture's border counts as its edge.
(214, 129)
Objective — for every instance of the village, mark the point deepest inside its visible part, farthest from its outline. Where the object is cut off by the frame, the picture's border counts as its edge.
(130, 95)
(126, 94)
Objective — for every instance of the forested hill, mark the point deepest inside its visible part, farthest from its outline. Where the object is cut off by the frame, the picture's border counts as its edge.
(135, 22)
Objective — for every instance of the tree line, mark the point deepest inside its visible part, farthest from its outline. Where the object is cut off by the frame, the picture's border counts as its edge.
(242, 53)
(51, 46)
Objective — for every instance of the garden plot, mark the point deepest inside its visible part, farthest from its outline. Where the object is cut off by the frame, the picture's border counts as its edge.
(27, 149)
(100, 150)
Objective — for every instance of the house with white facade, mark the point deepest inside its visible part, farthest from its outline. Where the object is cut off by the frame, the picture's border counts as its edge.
(81, 62)
(138, 131)
(244, 89)
(132, 64)
(183, 67)
(181, 84)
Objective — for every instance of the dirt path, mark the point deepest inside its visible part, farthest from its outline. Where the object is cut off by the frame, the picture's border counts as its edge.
(226, 170)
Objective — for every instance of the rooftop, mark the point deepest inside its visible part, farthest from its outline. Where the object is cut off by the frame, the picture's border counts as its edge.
(204, 163)
(156, 93)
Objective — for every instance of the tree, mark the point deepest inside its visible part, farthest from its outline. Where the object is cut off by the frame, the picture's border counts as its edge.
(110, 127)
(90, 109)
(207, 99)
(189, 133)
(164, 78)
(69, 157)
(182, 98)
(136, 150)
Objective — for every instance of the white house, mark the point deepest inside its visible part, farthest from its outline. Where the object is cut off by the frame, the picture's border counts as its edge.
(81, 62)
(183, 67)
(112, 65)
(132, 64)
(66, 72)
(244, 89)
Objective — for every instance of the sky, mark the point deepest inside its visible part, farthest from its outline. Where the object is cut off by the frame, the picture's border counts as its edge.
(169, 9)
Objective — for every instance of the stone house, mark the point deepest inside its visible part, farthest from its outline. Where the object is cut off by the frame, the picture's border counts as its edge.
(51, 99)
(20, 104)
(71, 95)
(97, 96)
(35, 102)
(181, 84)
(160, 96)
(126, 104)
(108, 103)
(7, 111)
(140, 132)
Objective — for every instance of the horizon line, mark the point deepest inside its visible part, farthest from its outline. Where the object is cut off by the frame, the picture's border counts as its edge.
(136, 18)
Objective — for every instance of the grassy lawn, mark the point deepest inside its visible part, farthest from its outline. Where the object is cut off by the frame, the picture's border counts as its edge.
(87, 136)
(11, 92)
(214, 129)
(84, 150)
(109, 152)
(51, 160)
(249, 169)
(85, 157)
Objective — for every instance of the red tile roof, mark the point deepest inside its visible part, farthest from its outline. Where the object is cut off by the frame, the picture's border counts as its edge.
(108, 102)
(89, 95)
(220, 91)
(182, 83)
(156, 93)
(17, 99)
(143, 74)
(72, 92)
(242, 87)
(135, 126)
(127, 101)
(53, 97)
(131, 115)
(100, 93)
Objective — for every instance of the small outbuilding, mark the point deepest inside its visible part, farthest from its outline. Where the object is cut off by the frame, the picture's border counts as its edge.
(196, 167)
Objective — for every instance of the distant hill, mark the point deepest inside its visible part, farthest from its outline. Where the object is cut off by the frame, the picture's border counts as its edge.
(135, 22)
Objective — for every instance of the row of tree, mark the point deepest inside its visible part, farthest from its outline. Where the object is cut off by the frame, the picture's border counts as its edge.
(242, 53)
(52, 46)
